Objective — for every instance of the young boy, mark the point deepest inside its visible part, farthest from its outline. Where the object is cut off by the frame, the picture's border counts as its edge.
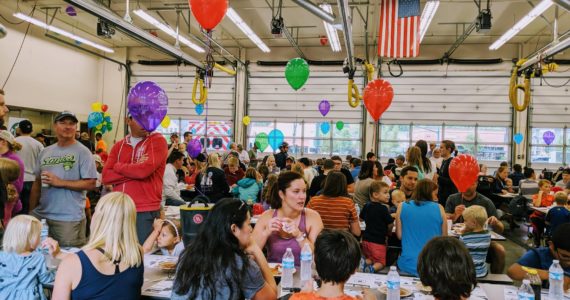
(378, 224)
(476, 238)
(337, 255)
(558, 214)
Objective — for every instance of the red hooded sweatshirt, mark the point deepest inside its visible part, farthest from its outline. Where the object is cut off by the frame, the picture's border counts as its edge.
(138, 173)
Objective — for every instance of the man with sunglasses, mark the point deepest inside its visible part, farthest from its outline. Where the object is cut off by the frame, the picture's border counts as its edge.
(541, 258)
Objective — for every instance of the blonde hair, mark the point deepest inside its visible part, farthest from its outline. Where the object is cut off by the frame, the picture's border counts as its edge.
(398, 193)
(22, 234)
(297, 168)
(268, 158)
(476, 213)
(113, 229)
(377, 185)
(214, 160)
(561, 198)
(543, 182)
(9, 170)
(233, 162)
(251, 173)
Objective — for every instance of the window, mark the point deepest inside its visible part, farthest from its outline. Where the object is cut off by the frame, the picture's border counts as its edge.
(486, 143)
(219, 133)
(542, 153)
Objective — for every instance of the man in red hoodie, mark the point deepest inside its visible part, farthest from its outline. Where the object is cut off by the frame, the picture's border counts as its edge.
(136, 167)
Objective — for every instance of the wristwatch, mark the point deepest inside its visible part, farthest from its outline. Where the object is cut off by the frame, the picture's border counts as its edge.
(301, 238)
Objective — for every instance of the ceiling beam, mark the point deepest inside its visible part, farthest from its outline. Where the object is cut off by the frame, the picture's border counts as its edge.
(346, 21)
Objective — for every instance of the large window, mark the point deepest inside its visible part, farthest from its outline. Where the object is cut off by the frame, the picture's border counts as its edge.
(555, 153)
(307, 139)
(216, 136)
(489, 144)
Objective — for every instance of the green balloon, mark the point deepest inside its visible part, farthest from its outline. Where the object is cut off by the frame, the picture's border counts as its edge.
(262, 141)
(339, 125)
(109, 126)
(297, 72)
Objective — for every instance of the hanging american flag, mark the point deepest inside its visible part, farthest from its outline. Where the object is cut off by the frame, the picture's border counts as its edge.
(399, 34)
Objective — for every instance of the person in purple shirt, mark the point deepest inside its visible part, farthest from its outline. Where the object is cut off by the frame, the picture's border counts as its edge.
(8, 148)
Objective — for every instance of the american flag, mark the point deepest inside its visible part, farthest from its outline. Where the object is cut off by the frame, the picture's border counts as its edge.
(399, 34)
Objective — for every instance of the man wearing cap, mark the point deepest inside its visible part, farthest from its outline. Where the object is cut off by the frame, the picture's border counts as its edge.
(281, 157)
(136, 166)
(29, 154)
(65, 171)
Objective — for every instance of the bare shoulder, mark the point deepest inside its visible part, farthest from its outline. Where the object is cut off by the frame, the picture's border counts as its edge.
(265, 216)
(311, 213)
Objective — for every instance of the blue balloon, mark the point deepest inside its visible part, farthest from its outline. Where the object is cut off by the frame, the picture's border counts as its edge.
(325, 127)
(94, 119)
(276, 138)
(518, 138)
(199, 109)
(193, 130)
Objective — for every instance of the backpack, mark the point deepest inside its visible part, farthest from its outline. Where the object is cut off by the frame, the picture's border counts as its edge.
(485, 185)
(518, 207)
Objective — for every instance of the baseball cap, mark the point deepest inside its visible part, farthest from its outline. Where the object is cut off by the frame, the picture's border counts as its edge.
(98, 158)
(201, 157)
(65, 115)
(7, 136)
(25, 126)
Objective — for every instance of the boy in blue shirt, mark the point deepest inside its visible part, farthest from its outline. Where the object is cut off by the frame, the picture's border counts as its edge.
(557, 215)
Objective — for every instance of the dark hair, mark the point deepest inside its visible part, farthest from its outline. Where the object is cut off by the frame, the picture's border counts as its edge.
(407, 169)
(425, 161)
(560, 237)
(448, 144)
(264, 171)
(356, 162)
(528, 171)
(369, 155)
(391, 161)
(174, 156)
(380, 171)
(517, 168)
(251, 173)
(283, 183)
(337, 255)
(305, 161)
(328, 164)
(446, 266)
(211, 256)
(98, 135)
(504, 164)
(187, 133)
(423, 191)
(335, 185)
(2, 92)
(336, 157)
(366, 170)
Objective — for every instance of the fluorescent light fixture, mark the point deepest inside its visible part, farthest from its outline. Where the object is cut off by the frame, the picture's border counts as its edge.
(427, 15)
(61, 32)
(332, 35)
(166, 29)
(233, 15)
(520, 25)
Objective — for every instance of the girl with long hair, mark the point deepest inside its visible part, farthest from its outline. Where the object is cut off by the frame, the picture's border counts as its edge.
(110, 266)
(428, 169)
(414, 158)
(223, 261)
(212, 180)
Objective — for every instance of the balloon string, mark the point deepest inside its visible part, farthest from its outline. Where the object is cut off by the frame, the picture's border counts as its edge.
(210, 62)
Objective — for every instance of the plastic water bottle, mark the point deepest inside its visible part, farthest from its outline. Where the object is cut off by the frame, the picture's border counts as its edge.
(306, 264)
(525, 291)
(44, 235)
(556, 280)
(288, 264)
(393, 284)
(357, 210)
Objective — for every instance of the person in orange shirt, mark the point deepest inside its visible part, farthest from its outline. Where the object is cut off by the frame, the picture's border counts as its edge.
(542, 199)
(100, 142)
(337, 255)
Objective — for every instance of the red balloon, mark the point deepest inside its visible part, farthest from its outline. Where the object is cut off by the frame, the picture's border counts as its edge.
(209, 13)
(104, 107)
(324, 40)
(463, 171)
(378, 96)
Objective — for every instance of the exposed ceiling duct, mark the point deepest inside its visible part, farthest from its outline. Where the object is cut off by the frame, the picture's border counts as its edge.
(133, 31)
(346, 21)
(317, 11)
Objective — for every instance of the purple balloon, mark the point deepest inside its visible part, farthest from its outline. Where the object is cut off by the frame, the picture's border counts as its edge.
(324, 107)
(70, 11)
(194, 148)
(548, 137)
(148, 104)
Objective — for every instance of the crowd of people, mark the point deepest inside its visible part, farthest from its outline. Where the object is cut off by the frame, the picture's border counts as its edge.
(354, 214)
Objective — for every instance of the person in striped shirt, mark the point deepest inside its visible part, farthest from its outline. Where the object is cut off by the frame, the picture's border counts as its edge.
(476, 238)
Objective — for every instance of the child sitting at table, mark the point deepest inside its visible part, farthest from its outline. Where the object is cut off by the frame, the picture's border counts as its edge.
(557, 215)
(249, 187)
(378, 224)
(165, 236)
(397, 197)
(476, 238)
(542, 199)
(337, 255)
(23, 270)
(445, 265)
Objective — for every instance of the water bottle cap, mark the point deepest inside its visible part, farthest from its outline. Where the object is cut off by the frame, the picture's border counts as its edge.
(393, 268)
(555, 261)
(288, 249)
(526, 281)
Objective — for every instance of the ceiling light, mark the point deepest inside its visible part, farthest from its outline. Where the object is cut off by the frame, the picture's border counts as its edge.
(232, 14)
(62, 32)
(520, 25)
(166, 29)
(331, 31)
(427, 15)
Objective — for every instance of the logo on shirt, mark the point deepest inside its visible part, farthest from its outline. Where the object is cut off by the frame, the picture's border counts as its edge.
(68, 161)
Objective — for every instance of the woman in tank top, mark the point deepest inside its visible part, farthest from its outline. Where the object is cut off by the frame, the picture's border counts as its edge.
(288, 224)
(110, 266)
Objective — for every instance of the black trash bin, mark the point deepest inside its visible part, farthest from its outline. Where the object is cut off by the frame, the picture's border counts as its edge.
(192, 216)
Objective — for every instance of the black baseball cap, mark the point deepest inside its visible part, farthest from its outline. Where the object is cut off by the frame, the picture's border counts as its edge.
(201, 157)
(65, 115)
(25, 126)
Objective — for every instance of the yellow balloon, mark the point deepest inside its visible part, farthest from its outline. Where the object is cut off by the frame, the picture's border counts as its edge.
(106, 114)
(96, 106)
(165, 122)
(246, 120)
(99, 126)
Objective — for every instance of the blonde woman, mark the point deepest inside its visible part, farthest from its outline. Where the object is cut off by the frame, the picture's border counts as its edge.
(8, 149)
(212, 181)
(110, 266)
(414, 158)
(23, 270)
(271, 165)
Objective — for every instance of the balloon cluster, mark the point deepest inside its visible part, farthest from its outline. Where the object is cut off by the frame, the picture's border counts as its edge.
(274, 139)
(99, 118)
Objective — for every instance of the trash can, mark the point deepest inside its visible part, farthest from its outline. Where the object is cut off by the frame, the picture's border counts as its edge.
(192, 216)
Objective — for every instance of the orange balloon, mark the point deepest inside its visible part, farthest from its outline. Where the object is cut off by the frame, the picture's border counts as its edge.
(104, 107)
(464, 171)
(378, 96)
(209, 13)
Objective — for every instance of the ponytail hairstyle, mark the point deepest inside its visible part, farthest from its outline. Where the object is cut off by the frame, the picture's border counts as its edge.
(283, 183)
